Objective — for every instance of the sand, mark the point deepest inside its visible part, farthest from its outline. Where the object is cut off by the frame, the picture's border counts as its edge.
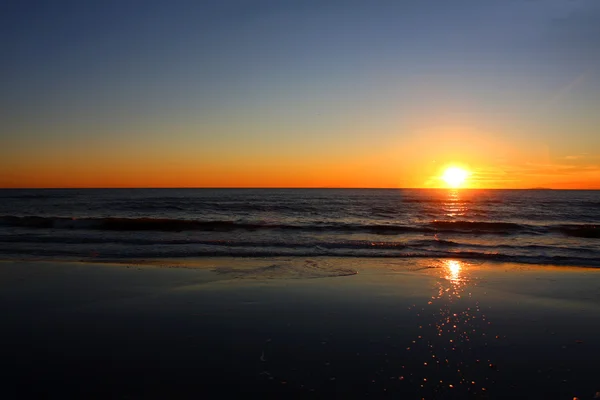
(414, 328)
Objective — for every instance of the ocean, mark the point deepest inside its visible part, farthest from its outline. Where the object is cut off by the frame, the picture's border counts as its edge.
(550, 227)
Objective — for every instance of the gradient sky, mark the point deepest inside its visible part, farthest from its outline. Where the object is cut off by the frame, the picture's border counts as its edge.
(305, 93)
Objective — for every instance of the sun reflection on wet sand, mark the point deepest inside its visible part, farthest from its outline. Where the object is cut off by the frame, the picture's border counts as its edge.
(453, 268)
(454, 337)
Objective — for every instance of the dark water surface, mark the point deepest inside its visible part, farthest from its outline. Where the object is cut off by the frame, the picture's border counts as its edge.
(532, 226)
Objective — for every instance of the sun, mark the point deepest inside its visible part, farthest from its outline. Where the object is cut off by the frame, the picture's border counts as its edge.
(454, 176)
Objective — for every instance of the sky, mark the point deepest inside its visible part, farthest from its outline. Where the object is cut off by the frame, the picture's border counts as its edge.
(299, 93)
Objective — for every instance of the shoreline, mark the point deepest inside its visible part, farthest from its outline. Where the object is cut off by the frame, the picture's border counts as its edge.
(206, 261)
(417, 329)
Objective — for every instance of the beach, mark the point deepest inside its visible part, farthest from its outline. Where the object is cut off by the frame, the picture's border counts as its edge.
(300, 199)
(416, 328)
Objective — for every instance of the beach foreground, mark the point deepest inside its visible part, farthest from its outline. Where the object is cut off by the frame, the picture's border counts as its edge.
(419, 328)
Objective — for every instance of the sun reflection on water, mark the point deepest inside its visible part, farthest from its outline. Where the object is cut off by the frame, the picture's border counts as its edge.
(455, 205)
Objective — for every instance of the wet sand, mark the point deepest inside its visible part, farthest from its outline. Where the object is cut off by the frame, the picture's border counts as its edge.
(425, 328)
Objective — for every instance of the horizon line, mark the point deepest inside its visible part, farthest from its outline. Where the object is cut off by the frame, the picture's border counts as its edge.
(278, 187)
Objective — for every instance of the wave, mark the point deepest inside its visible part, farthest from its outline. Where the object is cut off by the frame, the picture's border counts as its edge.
(480, 226)
(342, 244)
(37, 196)
(180, 225)
(210, 206)
(123, 224)
(166, 224)
(581, 231)
(414, 244)
(160, 253)
(125, 246)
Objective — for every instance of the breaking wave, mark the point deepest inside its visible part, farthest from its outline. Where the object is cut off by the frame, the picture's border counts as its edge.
(178, 225)
(165, 246)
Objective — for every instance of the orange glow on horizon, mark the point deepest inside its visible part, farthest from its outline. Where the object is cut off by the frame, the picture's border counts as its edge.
(393, 167)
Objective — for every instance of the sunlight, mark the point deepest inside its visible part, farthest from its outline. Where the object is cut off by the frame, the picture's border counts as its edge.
(454, 268)
(454, 176)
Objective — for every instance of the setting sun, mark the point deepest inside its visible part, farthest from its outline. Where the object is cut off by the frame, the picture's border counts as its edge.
(455, 176)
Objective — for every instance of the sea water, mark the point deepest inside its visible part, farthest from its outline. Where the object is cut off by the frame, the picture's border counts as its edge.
(554, 227)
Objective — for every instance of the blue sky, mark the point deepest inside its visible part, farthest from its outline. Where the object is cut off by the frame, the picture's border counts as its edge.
(297, 81)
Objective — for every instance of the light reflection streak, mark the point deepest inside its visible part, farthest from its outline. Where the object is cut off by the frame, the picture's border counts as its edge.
(453, 267)
(454, 335)
(454, 206)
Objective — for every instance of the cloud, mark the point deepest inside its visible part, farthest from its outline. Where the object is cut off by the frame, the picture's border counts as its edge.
(574, 157)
